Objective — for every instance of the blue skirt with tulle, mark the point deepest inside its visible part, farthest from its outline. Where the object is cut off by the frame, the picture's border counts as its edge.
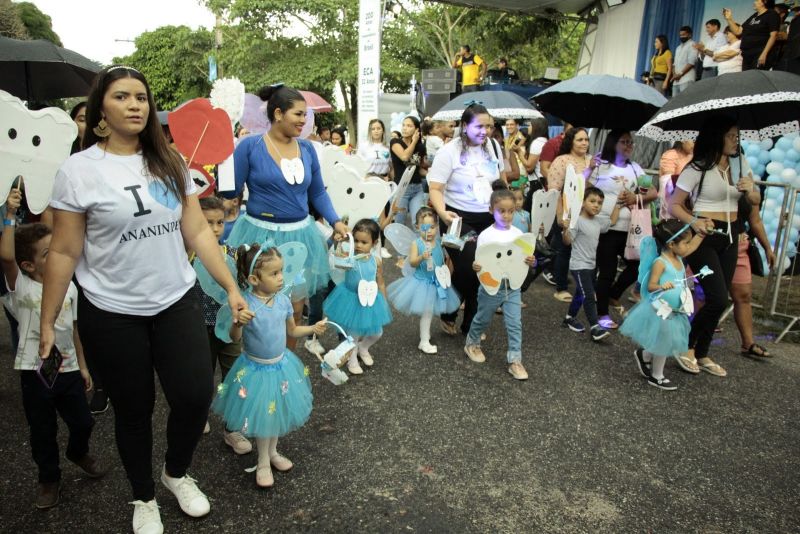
(249, 230)
(412, 296)
(343, 308)
(662, 337)
(265, 400)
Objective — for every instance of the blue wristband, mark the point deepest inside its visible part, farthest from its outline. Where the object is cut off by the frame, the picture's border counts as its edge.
(9, 222)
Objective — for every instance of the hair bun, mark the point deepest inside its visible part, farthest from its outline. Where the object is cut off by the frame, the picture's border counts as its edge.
(266, 92)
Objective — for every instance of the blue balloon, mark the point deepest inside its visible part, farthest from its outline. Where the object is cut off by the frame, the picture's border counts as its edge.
(751, 149)
(759, 169)
(753, 161)
(792, 156)
(764, 157)
(766, 144)
(776, 154)
(783, 144)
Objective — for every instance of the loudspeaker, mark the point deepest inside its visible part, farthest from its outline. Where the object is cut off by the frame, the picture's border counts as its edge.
(435, 102)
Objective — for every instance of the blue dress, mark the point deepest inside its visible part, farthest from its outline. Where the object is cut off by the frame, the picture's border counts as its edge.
(267, 392)
(522, 220)
(662, 337)
(342, 305)
(421, 293)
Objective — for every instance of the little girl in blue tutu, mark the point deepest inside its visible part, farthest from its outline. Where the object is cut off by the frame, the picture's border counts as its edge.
(359, 304)
(426, 292)
(267, 392)
(659, 323)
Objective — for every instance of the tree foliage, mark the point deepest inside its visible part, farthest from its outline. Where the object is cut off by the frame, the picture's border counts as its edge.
(37, 24)
(10, 22)
(174, 59)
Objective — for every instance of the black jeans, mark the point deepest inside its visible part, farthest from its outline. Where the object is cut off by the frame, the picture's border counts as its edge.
(720, 255)
(465, 281)
(610, 247)
(584, 295)
(563, 252)
(128, 348)
(67, 399)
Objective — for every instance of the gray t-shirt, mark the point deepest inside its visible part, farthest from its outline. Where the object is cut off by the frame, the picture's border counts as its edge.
(585, 236)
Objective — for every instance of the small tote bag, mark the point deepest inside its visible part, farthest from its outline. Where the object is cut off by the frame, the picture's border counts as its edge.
(641, 227)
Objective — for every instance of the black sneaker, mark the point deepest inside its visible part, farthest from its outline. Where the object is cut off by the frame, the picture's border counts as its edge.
(99, 402)
(639, 353)
(664, 383)
(549, 278)
(598, 333)
(573, 324)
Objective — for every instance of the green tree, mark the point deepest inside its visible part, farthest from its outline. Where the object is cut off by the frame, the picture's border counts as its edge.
(174, 59)
(10, 23)
(38, 25)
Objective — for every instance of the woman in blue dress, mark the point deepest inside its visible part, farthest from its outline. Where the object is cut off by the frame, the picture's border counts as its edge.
(282, 174)
(659, 323)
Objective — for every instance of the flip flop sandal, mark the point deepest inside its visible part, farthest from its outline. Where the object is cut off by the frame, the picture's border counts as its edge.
(688, 364)
(714, 369)
(756, 350)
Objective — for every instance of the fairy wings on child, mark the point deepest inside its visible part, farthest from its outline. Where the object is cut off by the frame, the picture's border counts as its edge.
(294, 258)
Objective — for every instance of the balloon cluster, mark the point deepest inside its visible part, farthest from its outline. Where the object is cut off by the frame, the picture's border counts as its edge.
(781, 162)
(397, 121)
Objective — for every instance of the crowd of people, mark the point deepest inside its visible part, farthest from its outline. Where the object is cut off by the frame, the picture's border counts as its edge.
(124, 198)
(763, 41)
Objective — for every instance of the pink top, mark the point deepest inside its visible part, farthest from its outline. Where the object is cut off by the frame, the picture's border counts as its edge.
(673, 162)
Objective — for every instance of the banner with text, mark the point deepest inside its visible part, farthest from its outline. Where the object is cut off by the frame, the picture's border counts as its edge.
(369, 63)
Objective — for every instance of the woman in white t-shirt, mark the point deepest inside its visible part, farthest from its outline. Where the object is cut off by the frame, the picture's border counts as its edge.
(375, 152)
(729, 57)
(125, 211)
(460, 183)
(617, 176)
(715, 179)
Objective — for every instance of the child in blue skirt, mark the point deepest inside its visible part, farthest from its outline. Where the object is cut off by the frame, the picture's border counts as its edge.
(359, 303)
(423, 293)
(659, 323)
(267, 392)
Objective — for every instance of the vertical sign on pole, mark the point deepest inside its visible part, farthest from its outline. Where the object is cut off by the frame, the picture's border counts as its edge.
(370, 14)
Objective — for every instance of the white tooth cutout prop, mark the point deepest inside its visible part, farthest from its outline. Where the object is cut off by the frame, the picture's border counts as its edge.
(33, 144)
(504, 260)
(543, 210)
(574, 187)
(443, 276)
(356, 197)
(332, 157)
(367, 292)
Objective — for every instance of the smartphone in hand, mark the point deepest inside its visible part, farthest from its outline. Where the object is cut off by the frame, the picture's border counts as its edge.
(49, 367)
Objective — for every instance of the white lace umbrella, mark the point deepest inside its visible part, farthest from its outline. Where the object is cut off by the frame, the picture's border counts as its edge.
(501, 105)
(766, 104)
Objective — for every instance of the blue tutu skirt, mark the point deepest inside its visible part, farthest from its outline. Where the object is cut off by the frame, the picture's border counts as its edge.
(342, 307)
(249, 230)
(412, 296)
(265, 400)
(662, 337)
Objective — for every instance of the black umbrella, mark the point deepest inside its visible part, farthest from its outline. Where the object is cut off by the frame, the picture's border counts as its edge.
(601, 101)
(39, 70)
(765, 103)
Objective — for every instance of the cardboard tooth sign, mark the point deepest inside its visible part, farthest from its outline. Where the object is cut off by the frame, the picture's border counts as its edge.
(355, 197)
(574, 187)
(504, 260)
(33, 144)
(543, 210)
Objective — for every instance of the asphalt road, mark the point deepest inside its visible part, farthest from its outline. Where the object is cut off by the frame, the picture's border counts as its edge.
(436, 443)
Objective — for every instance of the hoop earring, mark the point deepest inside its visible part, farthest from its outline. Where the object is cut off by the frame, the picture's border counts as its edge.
(102, 129)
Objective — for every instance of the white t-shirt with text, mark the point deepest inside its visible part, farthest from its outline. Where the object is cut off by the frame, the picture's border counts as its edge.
(134, 260)
(467, 185)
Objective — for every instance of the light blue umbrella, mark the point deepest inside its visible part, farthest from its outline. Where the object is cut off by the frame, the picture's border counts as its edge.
(501, 105)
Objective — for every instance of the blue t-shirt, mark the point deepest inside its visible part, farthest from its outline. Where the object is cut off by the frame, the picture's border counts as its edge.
(272, 198)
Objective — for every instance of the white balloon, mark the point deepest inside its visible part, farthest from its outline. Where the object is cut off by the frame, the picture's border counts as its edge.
(783, 144)
(787, 175)
(766, 144)
(786, 263)
(796, 144)
(774, 168)
(770, 204)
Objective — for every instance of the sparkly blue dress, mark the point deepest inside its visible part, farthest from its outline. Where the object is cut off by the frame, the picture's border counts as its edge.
(522, 220)
(267, 392)
(421, 293)
(662, 337)
(343, 307)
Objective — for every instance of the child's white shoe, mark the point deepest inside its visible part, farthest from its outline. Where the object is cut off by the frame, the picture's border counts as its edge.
(146, 518)
(366, 357)
(354, 368)
(280, 462)
(264, 478)
(427, 348)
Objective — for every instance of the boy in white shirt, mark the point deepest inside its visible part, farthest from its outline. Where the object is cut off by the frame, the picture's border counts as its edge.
(502, 206)
(25, 251)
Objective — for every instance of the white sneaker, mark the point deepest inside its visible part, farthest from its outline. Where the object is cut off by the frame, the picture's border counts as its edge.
(192, 501)
(146, 519)
(237, 442)
(385, 254)
(313, 346)
(427, 348)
